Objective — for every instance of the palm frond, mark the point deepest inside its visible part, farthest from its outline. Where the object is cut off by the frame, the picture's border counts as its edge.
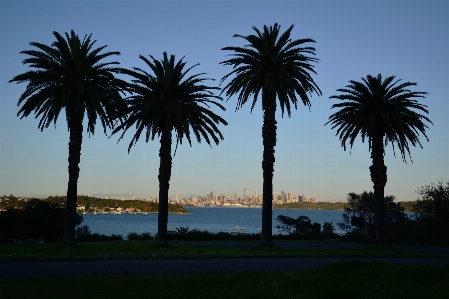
(69, 75)
(382, 107)
(169, 99)
(271, 62)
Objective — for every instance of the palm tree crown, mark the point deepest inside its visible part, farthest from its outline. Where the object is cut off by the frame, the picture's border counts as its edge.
(68, 75)
(168, 100)
(379, 107)
(274, 64)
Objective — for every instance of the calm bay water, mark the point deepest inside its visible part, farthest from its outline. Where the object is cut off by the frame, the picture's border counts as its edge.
(211, 219)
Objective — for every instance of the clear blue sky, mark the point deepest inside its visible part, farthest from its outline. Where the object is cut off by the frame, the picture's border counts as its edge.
(408, 39)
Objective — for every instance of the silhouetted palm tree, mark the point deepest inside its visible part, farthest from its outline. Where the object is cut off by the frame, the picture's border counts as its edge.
(71, 76)
(277, 67)
(168, 100)
(380, 111)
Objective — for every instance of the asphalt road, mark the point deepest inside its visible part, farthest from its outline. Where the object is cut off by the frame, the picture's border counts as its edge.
(207, 265)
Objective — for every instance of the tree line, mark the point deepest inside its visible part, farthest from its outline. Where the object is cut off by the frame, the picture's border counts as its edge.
(408, 206)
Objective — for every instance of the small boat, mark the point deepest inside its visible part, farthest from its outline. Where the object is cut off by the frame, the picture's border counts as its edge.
(238, 230)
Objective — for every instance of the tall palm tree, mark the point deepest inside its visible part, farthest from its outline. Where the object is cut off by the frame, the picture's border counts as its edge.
(277, 67)
(168, 101)
(381, 111)
(71, 76)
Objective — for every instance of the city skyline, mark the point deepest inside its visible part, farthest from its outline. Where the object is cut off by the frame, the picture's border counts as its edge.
(352, 40)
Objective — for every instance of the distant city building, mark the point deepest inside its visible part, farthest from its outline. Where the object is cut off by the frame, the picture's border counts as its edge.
(300, 197)
(283, 198)
(255, 193)
(234, 197)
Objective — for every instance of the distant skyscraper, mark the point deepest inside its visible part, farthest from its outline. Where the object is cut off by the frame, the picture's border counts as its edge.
(301, 197)
(177, 197)
(255, 193)
(283, 198)
(233, 197)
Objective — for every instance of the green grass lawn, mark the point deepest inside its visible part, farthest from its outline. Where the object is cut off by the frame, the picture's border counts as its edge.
(149, 250)
(353, 279)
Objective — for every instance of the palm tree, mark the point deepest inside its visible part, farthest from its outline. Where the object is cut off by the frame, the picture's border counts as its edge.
(170, 101)
(71, 76)
(380, 111)
(277, 67)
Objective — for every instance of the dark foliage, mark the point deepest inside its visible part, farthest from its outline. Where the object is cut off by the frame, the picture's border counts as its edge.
(358, 219)
(34, 221)
(83, 234)
(432, 214)
(302, 228)
(142, 236)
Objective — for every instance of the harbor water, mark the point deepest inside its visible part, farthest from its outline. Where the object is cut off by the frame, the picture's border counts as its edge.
(212, 219)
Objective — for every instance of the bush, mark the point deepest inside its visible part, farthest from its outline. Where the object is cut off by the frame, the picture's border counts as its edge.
(142, 236)
(83, 234)
(432, 214)
(302, 228)
(358, 219)
(35, 221)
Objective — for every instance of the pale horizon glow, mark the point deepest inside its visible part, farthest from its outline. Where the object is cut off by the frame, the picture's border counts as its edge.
(407, 39)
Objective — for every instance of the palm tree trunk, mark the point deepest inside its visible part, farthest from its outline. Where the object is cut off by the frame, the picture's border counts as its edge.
(164, 184)
(379, 178)
(76, 139)
(269, 142)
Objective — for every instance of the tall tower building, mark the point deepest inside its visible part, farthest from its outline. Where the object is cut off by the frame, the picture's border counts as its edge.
(255, 193)
(283, 198)
(301, 197)
(234, 197)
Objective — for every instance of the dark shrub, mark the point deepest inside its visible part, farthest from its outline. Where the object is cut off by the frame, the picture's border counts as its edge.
(35, 221)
